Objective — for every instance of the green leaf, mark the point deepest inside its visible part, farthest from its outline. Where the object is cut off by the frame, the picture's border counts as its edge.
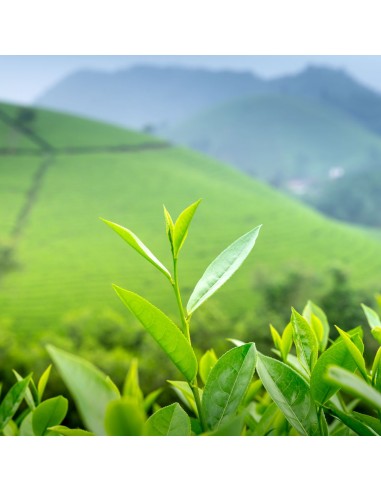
(169, 421)
(235, 342)
(65, 431)
(313, 309)
(372, 317)
(222, 268)
(277, 339)
(181, 227)
(287, 339)
(305, 341)
(354, 386)
(231, 426)
(91, 389)
(338, 354)
(163, 330)
(28, 394)
(227, 383)
(131, 384)
(376, 370)
(266, 422)
(356, 425)
(12, 401)
(355, 353)
(291, 393)
(374, 322)
(124, 417)
(26, 427)
(43, 382)
(138, 246)
(169, 226)
(207, 362)
(185, 394)
(370, 421)
(49, 413)
(150, 399)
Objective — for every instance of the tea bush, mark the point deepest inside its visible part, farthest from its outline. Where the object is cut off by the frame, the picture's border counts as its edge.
(314, 385)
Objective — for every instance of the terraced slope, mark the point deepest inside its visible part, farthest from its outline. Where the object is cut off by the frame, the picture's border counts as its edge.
(279, 138)
(65, 259)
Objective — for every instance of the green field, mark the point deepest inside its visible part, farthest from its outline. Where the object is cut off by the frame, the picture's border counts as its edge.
(67, 259)
(279, 137)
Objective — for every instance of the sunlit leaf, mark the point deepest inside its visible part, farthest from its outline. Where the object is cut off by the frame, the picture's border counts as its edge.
(65, 431)
(124, 417)
(338, 354)
(181, 227)
(222, 268)
(49, 413)
(355, 353)
(12, 401)
(305, 341)
(291, 393)
(43, 382)
(163, 330)
(313, 309)
(355, 386)
(227, 383)
(138, 246)
(207, 362)
(131, 385)
(85, 381)
(169, 421)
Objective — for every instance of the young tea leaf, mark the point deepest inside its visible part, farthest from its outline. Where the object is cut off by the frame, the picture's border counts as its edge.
(163, 330)
(12, 401)
(355, 386)
(305, 341)
(291, 393)
(169, 421)
(124, 417)
(91, 389)
(131, 384)
(49, 413)
(376, 370)
(359, 427)
(207, 362)
(222, 268)
(138, 246)
(183, 391)
(355, 353)
(227, 383)
(65, 431)
(43, 382)
(374, 322)
(181, 227)
(313, 309)
(338, 354)
(151, 398)
(169, 226)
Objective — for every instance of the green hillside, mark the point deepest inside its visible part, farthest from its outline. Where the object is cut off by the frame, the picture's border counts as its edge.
(64, 259)
(279, 138)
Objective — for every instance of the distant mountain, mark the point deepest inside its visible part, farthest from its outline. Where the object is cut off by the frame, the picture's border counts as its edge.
(150, 96)
(291, 142)
(146, 96)
(335, 88)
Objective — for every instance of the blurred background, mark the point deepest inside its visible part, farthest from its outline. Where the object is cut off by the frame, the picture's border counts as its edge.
(290, 142)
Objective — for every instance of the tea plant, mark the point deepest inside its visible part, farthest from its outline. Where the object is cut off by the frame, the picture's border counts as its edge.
(304, 391)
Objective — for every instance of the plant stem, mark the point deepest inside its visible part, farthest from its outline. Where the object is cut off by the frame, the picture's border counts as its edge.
(176, 288)
(196, 395)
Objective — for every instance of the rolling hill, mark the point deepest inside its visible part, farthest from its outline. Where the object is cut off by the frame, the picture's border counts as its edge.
(280, 138)
(59, 258)
(146, 95)
(337, 89)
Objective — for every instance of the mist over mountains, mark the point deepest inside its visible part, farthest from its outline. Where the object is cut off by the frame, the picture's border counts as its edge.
(301, 133)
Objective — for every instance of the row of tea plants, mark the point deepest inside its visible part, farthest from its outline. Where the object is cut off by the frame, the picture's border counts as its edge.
(313, 386)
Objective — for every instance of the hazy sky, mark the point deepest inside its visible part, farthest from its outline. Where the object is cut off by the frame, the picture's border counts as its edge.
(23, 78)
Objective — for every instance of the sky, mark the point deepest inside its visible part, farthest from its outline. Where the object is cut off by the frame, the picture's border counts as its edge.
(24, 78)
